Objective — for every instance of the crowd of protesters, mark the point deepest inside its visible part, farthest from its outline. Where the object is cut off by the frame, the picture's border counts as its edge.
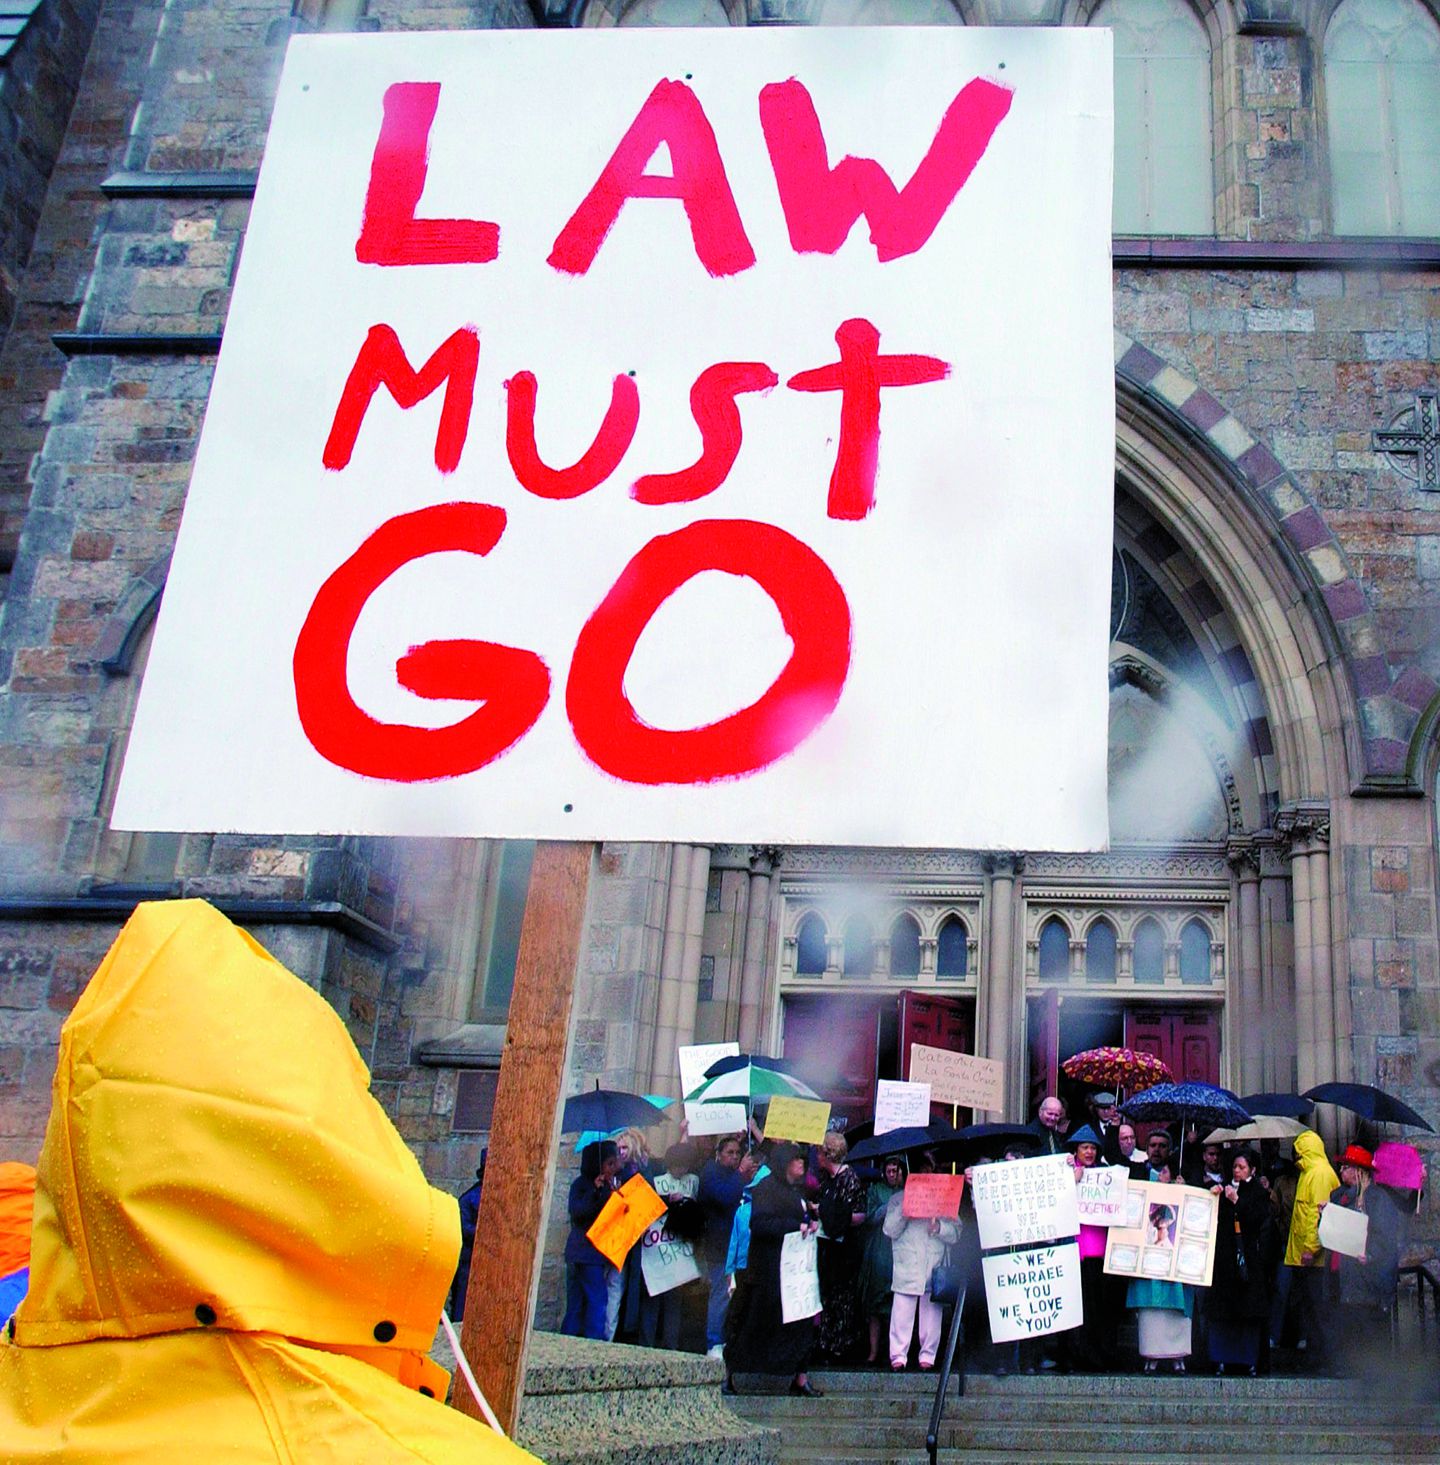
(1274, 1287)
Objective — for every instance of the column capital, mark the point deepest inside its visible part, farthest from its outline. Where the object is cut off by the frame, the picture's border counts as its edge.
(1304, 825)
(764, 858)
(1004, 863)
(1243, 856)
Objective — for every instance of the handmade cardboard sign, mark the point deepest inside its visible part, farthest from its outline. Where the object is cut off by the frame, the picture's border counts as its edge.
(1343, 1229)
(666, 1262)
(1167, 1234)
(628, 1214)
(799, 1277)
(1100, 1195)
(932, 1195)
(959, 1078)
(1032, 1293)
(706, 1118)
(898, 1105)
(798, 1119)
(602, 419)
(1020, 1201)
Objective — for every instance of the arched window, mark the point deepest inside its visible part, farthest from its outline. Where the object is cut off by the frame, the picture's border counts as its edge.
(811, 957)
(1149, 955)
(1163, 139)
(859, 947)
(1195, 953)
(1382, 88)
(952, 951)
(674, 12)
(1054, 951)
(1100, 952)
(905, 947)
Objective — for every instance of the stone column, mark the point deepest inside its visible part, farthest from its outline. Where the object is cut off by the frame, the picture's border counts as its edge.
(675, 1014)
(753, 984)
(1248, 986)
(1002, 1010)
(1307, 828)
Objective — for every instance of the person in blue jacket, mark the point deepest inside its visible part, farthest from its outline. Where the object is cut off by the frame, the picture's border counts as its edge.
(586, 1270)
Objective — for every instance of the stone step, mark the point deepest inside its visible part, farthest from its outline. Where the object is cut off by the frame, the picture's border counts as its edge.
(1257, 1451)
(1051, 1385)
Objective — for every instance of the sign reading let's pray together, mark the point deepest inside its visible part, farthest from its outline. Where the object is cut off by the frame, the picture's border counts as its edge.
(612, 429)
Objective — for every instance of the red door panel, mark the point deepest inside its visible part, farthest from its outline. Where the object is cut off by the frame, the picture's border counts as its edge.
(831, 1040)
(936, 1022)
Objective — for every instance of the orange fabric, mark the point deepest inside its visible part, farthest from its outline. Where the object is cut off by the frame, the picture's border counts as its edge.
(17, 1206)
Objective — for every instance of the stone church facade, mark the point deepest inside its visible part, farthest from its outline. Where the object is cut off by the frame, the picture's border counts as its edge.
(1266, 916)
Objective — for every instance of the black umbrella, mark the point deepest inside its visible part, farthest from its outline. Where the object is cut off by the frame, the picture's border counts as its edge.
(607, 1109)
(1368, 1102)
(909, 1137)
(1287, 1106)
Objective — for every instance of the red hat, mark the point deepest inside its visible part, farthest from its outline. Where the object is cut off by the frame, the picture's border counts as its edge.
(1358, 1155)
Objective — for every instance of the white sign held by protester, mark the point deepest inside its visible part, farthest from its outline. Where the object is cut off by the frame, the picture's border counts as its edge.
(1100, 1195)
(1020, 1201)
(666, 1261)
(1033, 1293)
(1344, 1229)
(628, 400)
(898, 1105)
(799, 1277)
(705, 1118)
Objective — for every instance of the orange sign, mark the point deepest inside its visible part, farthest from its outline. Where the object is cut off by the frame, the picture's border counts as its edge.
(932, 1195)
(625, 1219)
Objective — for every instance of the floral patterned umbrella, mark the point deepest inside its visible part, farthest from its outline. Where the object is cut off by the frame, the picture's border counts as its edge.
(1123, 1068)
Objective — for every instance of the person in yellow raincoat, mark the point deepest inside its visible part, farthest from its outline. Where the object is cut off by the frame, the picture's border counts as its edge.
(1303, 1250)
(234, 1256)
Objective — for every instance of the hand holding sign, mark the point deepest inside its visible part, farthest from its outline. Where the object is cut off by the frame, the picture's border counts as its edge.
(626, 1217)
(933, 1195)
(803, 1120)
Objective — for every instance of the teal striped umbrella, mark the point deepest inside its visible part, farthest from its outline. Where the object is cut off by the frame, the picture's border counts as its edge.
(749, 1083)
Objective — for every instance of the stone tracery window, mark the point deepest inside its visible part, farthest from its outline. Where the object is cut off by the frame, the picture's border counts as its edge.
(1382, 88)
(1149, 953)
(952, 949)
(1163, 138)
(905, 947)
(1195, 953)
(1054, 951)
(810, 954)
(1100, 950)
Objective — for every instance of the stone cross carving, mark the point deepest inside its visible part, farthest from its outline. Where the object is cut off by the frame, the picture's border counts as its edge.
(1422, 439)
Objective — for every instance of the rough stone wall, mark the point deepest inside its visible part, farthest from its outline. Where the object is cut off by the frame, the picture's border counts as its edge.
(38, 82)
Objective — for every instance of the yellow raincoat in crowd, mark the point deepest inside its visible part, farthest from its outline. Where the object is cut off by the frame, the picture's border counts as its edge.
(235, 1256)
(1317, 1182)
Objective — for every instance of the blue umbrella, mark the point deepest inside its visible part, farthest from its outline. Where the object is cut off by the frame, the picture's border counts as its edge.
(1368, 1102)
(593, 1136)
(607, 1109)
(1287, 1106)
(1204, 1103)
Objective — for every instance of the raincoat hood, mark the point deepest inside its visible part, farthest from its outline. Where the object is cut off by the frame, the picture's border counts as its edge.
(196, 1163)
(234, 1252)
(1310, 1150)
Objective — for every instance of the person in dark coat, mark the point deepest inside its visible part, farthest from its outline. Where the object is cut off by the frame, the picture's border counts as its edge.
(587, 1273)
(722, 1183)
(469, 1219)
(842, 1214)
(1246, 1249)
(1367, 1283)
(763, 1342)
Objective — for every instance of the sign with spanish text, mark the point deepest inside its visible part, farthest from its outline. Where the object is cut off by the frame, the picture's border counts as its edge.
(900, 1105)
(1031, 1294)
(959, 1078)
(626, 1217)
(1020, 1201)
(804, 1120)
(932, 1195)
(1100, 1195)
(612, 427)
(799, 1276)
(1167, 1235)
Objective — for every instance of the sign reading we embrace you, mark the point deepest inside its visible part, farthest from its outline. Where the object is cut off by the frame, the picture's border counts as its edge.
(657, 435)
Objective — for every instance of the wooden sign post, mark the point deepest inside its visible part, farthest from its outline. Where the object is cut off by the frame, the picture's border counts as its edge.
(525, 1133)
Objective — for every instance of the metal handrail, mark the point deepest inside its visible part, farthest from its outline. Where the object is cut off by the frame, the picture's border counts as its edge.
(956, 1337)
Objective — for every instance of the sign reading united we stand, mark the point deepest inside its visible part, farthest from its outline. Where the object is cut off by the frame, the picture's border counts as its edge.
(657, 435)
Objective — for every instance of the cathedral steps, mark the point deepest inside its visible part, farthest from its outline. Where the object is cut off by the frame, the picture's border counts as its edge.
(1126, 1418)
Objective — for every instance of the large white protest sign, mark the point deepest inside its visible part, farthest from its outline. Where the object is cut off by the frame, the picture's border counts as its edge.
(959, 1078)
(586, 459)
(1021, 1201)
(898, 1105)
(703, 1118)
(1101, 1195)
(1344, 1229)
(799, 1277)
(1032, 1293)
(666, 1261)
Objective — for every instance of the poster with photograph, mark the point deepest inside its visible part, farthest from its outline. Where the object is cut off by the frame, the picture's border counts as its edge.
(1168, 1234)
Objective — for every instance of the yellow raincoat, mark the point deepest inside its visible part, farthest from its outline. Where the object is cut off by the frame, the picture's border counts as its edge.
(235, 1256)
(1317, 1182)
